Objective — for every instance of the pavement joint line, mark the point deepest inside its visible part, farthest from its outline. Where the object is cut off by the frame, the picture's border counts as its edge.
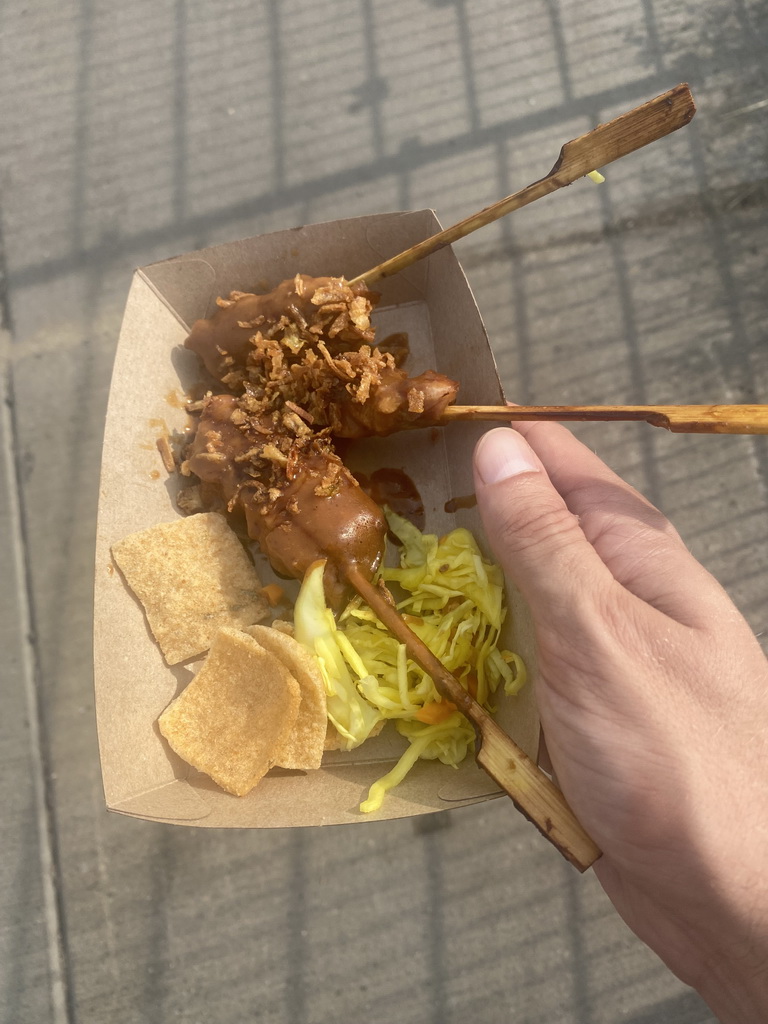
(630, 336)
(722, 249)
(286, 195)
(60, 995)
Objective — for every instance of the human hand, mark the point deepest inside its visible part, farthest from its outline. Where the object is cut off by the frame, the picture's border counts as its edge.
(653, 696)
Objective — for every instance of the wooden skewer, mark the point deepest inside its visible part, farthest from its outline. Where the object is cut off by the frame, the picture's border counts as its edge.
(532, 792)
(681, 419)
(604, 144)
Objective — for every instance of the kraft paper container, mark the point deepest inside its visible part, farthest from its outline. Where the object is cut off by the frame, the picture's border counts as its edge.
(433, 303)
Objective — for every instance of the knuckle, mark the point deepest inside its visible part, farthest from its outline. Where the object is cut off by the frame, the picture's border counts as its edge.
(615, 505)
(530, 527)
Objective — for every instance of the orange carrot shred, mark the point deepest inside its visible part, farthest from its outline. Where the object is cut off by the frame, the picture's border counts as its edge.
(274, 594)
(435, 712)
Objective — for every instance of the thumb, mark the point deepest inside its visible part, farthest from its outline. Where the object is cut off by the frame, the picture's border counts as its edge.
(534, 536)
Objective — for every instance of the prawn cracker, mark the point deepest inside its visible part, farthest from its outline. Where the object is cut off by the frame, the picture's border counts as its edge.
(304, 746)
(235, 715)
(193, 578)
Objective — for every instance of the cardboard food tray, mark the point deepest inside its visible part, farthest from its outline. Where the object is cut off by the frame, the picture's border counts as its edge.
(433, 303)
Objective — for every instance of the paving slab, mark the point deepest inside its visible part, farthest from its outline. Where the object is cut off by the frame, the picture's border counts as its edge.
(27, 914)
(135, 132)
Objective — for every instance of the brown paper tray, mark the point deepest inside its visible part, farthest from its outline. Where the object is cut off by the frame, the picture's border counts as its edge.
(434, 304)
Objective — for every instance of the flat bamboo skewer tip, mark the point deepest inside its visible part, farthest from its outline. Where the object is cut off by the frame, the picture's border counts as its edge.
(680, 419)
(531, 790)
(601, 146)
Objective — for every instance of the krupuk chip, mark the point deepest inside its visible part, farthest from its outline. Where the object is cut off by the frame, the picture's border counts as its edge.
(304, 746)
(193, 577)
(235, 715)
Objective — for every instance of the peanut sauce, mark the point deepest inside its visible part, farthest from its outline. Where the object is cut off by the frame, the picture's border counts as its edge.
(301, 366)
(395, 489)
(466, 501)
(296, 526)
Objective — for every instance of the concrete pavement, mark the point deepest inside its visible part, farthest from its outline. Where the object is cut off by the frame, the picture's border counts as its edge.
(133, 132)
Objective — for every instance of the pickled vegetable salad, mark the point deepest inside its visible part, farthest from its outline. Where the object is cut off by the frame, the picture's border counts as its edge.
(454, 601)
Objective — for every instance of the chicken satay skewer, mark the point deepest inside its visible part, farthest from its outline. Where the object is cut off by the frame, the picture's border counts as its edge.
(680, 419)
(608, 142)
(531, 790)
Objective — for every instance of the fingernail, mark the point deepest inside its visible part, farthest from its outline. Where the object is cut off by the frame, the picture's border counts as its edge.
(503, 453)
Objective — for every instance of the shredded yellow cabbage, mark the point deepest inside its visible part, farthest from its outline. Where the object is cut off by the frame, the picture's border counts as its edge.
(352, 715)
(454, 601)
(448, 741)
